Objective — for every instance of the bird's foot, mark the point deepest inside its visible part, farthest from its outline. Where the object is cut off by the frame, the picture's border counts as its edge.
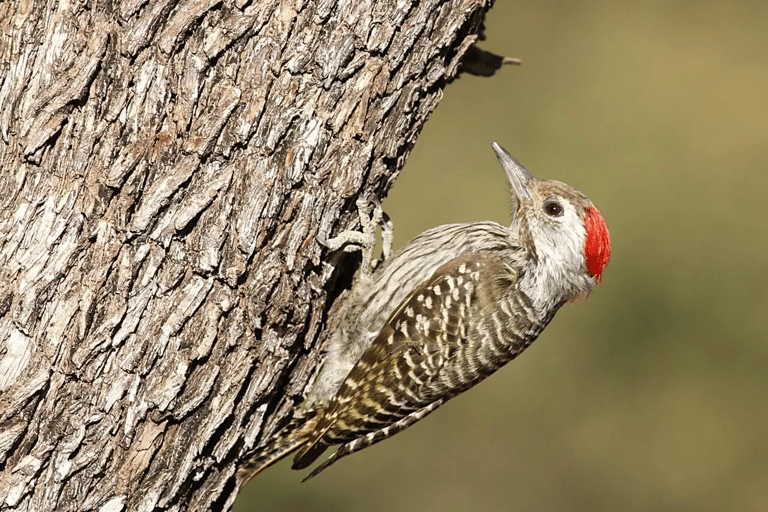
(365, 239)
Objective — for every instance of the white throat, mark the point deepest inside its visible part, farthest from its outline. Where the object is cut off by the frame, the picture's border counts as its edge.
(560, 274)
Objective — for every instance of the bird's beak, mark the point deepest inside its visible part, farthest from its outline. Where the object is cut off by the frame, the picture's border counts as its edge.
(519, 177)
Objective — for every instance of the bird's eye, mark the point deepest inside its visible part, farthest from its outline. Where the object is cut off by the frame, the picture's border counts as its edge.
(553, 208)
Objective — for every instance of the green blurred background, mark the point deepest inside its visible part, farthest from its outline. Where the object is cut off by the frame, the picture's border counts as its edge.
(652, 395)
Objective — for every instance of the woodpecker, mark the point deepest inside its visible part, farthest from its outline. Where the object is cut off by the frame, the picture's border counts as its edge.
(454, 305)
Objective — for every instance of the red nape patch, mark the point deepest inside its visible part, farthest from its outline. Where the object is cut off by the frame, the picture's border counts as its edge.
(597, 247)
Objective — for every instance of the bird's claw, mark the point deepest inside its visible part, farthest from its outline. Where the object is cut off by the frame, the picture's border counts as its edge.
(365, 239)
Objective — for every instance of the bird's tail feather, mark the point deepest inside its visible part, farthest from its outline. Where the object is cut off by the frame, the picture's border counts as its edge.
(268, 456)
(282, 444)
(374, 437)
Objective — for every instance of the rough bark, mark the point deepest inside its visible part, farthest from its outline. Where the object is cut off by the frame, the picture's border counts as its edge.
(166, 166)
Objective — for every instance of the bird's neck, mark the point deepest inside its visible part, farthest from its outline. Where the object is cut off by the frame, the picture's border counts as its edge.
(550, 283)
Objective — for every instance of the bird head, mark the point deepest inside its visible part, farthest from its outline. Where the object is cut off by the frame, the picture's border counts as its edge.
(563, 233)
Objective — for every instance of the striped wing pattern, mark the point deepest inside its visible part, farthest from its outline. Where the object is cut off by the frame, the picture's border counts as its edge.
(399, 379)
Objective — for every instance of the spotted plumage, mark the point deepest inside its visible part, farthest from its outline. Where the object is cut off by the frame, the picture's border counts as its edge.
(482, 293)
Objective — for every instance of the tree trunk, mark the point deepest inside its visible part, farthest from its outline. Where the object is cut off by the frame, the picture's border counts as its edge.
(166, 167)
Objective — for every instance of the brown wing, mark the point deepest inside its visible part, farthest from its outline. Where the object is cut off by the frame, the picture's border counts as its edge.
(393, 377)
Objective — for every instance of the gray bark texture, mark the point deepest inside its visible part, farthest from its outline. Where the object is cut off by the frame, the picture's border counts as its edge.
(165, 167)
